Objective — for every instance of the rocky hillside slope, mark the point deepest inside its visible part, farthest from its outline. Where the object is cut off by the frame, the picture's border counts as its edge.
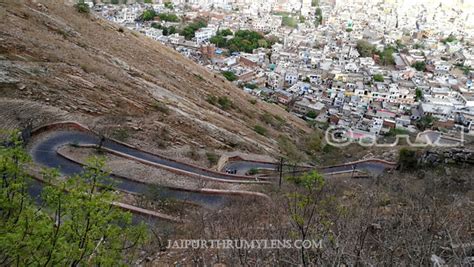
(57, 63)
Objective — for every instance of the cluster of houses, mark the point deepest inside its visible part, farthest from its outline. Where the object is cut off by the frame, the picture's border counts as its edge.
(317, 71)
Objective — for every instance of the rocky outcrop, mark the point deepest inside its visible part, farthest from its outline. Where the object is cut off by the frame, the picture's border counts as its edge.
(449, 156)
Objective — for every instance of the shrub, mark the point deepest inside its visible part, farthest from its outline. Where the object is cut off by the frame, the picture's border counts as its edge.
(121, 134)
(253, 171)
(253, 101)
(82, 7)
(193, 153)
(212, 157)
(313, 143)
(251, 86)
(279, 119)
(260, 130)
(161, 107)
(212, 99)
(224, 102)
(273, 120)
(199, 77)
(419, 66)
(267, 118)
(229, 75)
(396, 131)
(311, 114)
(169, 5)
(407, 159)
(288, 148)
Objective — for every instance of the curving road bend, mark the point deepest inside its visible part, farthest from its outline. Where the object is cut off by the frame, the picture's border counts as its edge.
(371, 166)
(44, 153)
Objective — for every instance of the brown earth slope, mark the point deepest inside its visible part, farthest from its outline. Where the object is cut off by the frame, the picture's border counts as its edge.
(58, 63)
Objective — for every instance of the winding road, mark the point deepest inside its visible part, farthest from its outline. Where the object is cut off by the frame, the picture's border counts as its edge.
(44, 152)
(372, 166)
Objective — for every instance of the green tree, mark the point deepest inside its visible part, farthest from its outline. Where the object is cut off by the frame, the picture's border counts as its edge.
(407, 159)
(418, 94)
(262, 43)
(219, 41)
(319, 17)
(311, 114)
(189, 31)
(243, 40)
(225, 32)
(386, 56)
(148, 15)
(425, 123)
(449, 39)
(76, 223)
(170, 30)
(168, 17)
(309, 208)
(169, 5)
(229, 75)
(365, 49)
(314, 3)
(419, 65)
(289, 21)
(378, 78)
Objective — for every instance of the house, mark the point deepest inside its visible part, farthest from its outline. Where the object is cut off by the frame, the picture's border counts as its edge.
(204, 34)
(442, 66)
(274, 80)
(366, 62)
(402, 121)
(283, 96)
(436, 110)
(315, 78)
(304, 106)
(153, 33)
(351, 67)
(291, 77)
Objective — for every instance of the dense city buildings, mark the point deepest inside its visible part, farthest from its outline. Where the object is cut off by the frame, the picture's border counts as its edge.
(379, 68)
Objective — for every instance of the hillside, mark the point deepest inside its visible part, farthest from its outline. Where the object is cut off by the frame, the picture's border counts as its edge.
(56, 63)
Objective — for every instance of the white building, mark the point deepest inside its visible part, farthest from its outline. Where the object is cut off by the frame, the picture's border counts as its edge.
(291, 77)
(154, 33)
(204, 34)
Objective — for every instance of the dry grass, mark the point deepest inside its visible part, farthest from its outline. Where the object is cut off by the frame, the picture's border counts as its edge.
(91, 67)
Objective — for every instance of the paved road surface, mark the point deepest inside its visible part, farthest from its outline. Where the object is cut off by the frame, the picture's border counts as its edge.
(371, 166)
(44, 153)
